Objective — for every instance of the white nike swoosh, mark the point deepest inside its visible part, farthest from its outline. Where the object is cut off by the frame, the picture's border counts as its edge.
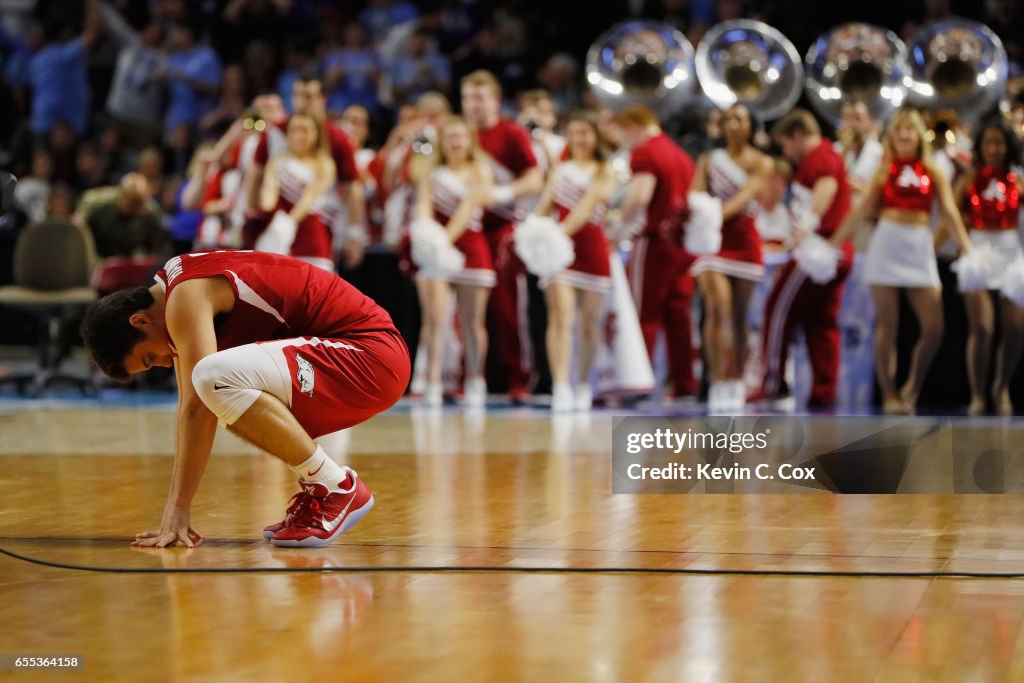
(329, 527)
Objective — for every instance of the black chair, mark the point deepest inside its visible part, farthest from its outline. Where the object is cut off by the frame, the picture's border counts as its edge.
(53, 263)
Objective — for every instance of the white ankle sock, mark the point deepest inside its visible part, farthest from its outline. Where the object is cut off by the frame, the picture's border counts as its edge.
(321, 469)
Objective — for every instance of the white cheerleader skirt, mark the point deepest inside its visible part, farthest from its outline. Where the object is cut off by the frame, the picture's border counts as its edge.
(901, 255)
(1006, 246)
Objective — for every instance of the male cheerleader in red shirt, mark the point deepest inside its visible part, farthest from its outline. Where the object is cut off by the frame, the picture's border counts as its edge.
(516, 176)
(277, 350)
(821, 200)
(659, 269)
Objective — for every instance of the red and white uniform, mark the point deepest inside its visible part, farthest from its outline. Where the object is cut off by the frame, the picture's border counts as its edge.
(992, 211)
(345, 359)
(396, 193)
(775, 225)
(313, 236)
(862, 165)
(369, 170)
(902, 255)
(659, 269)
(510, 149)
(447, 192)
(215, 229)
(795, 301)
(341, 152)
(591, 270)
(740, 255)
(244, 158)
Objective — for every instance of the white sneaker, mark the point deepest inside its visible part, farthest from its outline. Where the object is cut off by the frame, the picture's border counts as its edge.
(738, 394)
(474, 393)
(433, 396)
(583, 399)
(718, 397)
(561, 398)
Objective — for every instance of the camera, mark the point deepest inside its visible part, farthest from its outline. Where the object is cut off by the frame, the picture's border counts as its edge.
(253, 120)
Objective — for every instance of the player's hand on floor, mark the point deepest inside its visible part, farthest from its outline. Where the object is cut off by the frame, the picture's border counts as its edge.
(174, 530)
(168, 538)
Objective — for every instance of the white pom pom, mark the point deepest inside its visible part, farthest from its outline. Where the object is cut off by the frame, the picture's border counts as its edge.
(543, 246)
(817, 258)
(703, 234)
(279, 234)
(432, 250)
(974, 268)
(1013, 282)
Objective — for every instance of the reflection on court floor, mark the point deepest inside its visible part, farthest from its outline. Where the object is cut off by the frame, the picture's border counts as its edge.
(508, 491)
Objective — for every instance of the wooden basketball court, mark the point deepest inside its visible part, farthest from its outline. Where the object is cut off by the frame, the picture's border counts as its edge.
(495, 552)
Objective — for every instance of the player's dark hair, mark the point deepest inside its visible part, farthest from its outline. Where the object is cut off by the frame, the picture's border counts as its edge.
(108, 335)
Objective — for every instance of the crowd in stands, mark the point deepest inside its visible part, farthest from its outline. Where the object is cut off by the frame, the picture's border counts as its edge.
(163, 125)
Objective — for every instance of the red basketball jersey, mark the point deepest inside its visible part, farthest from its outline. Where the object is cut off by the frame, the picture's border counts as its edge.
(277, 297)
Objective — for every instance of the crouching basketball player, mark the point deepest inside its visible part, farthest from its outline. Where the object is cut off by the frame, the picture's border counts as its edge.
(278, 351)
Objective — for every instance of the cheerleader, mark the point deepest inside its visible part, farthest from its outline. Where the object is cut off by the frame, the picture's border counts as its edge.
(989, 195)
(578, 191)
(451, 192)
(297, 185)
(735, 174)
(901, 256)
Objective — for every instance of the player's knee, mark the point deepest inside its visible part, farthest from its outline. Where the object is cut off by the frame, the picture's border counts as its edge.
(223, 387)
(208, 373)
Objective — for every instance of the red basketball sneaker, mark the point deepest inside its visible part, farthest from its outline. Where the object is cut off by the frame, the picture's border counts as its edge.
(324, 514)
(293, 506)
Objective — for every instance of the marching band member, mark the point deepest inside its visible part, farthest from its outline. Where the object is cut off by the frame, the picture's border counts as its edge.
(859, 146)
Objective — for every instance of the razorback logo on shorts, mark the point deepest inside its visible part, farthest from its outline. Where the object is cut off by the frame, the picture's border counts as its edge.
(305, 375)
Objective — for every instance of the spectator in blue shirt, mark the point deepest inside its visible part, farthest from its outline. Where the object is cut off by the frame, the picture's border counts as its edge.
(351, 72)
(15, 54)
(383, 15)
(193, 76)
(57, 73)
(421, 69)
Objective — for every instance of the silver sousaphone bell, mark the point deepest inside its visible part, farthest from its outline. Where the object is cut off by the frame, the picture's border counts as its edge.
(751, 63)
(641, 62)
(860, 63)
(956, 64)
